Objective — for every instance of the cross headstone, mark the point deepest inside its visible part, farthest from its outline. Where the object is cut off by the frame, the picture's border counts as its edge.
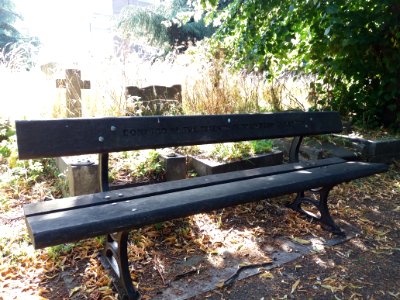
(73, 85)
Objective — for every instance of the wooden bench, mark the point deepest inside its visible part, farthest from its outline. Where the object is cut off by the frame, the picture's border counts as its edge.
(115, 213)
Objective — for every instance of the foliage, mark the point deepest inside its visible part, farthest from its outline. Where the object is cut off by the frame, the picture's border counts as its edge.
(151, 168)
(136, 22)
(213, 88)
(170, 23)
(8, 33)
(240, 150)
(6, 130)
(136, 167)
(55, 252)
(20, 55)
(261, 146)
(16, 51)
(22, 172)
(352, 47)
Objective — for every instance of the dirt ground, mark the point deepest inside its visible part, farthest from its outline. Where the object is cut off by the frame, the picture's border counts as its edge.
(365, 267)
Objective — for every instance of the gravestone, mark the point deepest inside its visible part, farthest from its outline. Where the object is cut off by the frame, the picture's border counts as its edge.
(82, 178)
(154, 99)
(73, 85)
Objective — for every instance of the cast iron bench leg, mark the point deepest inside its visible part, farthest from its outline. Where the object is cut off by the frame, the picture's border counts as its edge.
(321, 204)
(115, 258)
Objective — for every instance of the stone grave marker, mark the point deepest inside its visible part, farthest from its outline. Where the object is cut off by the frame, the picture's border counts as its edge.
(73, 85)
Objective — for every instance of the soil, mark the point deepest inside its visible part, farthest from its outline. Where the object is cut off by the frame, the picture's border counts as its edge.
(365, 267)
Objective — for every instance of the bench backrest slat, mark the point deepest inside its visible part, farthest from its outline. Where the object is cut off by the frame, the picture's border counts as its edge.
(59, 137)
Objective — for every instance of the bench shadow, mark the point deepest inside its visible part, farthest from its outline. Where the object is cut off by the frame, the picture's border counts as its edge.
(203, 252)
(187, 257)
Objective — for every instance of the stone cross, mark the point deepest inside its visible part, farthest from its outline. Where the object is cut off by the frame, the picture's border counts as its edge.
(73, 85)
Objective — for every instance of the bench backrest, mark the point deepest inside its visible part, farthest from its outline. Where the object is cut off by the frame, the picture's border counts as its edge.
(60, 137)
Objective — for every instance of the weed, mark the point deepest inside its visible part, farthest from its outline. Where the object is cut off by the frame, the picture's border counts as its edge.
(240, 150)
(217, 90)
(136, 167)
(58, 250)
(21, 175)
(214, 88)
(261, 146)
(188, 150)
(159, 226)
(6, 130)
(151, 168)
(231, 151)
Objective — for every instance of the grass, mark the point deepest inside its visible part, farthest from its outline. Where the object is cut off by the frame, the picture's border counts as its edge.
(208, 87)
(224, 152)
(136, 166)
(240, 150)
(214, 88)
(16, 176)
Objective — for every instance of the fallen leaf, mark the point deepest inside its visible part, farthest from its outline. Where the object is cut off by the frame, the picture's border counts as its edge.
(328, 287)
(300, 241)
(74, 291)
(170, 240)
(51, 277)
(218, 244)
(294, 286)
(244, 264)
(333, 289)
(220, 284)
(297, 267)
(267, 275)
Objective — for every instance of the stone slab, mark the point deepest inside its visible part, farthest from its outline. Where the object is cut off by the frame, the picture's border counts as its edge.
(384, 151)
(207, 167)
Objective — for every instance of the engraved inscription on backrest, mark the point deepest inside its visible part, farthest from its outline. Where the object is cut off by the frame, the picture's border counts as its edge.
(100, 135)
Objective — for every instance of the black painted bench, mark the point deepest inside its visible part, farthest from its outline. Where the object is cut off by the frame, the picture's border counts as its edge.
(114, 213)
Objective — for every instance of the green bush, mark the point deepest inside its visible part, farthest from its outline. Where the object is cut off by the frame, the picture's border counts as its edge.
(166, 25)
(351, 47)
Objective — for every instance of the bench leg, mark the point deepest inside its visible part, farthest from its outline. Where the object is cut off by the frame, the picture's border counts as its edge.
(115, 258)
(322, 206)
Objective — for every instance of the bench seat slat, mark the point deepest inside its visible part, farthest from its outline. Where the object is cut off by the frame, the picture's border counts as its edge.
(67, 226)
(61, 137)
(168, 187)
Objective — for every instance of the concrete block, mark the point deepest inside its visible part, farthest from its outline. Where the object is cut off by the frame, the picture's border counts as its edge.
(81, 172)
(382, 151)
(175, 166)
(316, 150)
